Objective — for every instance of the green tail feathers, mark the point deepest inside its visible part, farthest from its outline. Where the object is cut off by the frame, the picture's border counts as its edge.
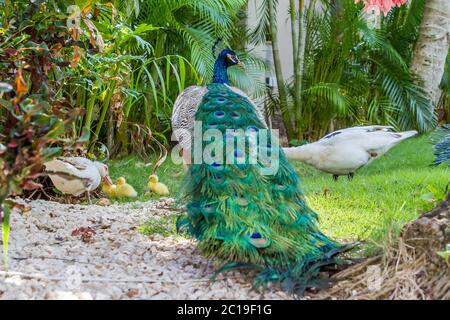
(237, 213)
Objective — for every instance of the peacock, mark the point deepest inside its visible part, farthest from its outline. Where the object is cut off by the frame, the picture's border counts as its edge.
(247, 211)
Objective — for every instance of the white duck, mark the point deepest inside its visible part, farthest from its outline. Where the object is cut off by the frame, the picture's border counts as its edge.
(77, 175)
(344, 151)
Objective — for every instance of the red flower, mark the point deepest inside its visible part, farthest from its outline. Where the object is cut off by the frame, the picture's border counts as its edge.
(381, 5)
(12, 144)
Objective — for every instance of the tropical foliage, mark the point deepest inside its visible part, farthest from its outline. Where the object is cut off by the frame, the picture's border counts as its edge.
(35, 118)
(354, 73)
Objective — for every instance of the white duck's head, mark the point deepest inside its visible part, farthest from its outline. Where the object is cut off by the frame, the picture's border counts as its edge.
(104, 172)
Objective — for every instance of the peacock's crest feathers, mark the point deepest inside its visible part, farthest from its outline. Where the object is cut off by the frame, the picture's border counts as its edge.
(239, 214)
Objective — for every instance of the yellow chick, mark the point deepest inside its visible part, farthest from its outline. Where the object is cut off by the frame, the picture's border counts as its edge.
(157, 187)
(110, 189)
(124, 189)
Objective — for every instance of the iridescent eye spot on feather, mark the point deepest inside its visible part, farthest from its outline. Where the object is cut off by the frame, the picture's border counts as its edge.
(221, 100)
(240, 199)
(219, 114)
(256, 235)
(217, 167)
(209, 208)
(257, 240)
(212, 125)
(235, 115)
(280, 187)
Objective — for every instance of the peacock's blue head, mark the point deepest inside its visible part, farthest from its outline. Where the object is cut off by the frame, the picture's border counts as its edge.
(228, 57)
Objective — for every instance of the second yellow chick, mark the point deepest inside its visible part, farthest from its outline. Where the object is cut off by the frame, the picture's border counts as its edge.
(157, 187)
(124, 189)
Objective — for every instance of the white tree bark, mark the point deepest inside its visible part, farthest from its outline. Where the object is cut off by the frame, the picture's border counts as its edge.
(432, 46)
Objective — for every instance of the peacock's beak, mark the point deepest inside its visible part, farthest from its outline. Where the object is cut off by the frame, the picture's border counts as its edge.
(235, 60)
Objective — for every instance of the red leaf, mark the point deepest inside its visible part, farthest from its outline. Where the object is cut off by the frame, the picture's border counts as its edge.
(10, 51)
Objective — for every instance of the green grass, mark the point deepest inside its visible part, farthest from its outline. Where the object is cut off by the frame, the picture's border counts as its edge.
(164, 226)
(382, 196)
(137, 172)
(380, 199)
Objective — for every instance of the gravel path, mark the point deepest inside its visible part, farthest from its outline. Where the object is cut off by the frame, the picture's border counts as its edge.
(47, 262)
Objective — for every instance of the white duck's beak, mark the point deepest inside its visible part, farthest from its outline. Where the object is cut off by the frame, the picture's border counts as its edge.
(108, 180)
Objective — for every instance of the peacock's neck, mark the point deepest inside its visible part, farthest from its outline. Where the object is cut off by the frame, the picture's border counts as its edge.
(220, 73)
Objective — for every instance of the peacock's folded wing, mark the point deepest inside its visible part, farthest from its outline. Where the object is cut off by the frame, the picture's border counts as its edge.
(183, 114)
(244, 209)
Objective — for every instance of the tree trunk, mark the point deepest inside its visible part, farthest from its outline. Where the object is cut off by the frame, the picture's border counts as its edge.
(278, 71)
(300, 64)
(432, 46)
(295, 43)
(297, 32)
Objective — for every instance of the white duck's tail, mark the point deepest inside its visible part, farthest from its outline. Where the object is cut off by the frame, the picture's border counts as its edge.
(301, 153)
(290, 152)
(407, 134)
(394, 138)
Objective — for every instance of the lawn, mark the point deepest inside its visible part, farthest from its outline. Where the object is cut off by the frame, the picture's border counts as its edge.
(381, 198)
